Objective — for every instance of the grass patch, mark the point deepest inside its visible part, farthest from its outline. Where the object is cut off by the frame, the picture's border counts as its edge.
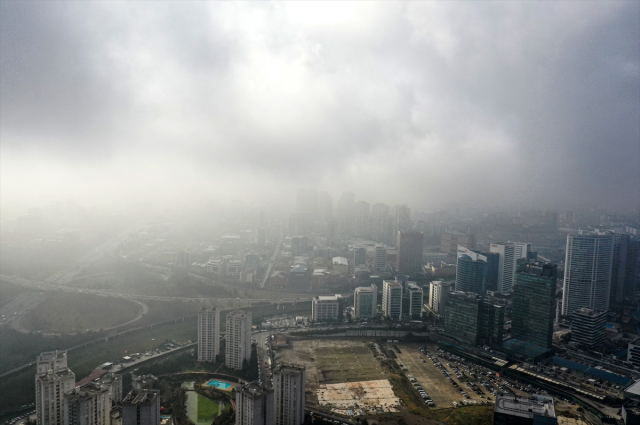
(469, 415)
(207, 408)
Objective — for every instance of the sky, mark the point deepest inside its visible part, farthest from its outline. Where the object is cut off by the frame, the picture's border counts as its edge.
(505, 104)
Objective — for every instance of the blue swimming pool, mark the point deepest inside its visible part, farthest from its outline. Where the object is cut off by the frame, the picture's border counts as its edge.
(218, 384)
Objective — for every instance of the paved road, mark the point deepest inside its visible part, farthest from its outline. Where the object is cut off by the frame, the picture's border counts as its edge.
(273, 258)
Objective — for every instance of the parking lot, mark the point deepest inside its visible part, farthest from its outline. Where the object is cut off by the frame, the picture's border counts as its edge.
(445, 380)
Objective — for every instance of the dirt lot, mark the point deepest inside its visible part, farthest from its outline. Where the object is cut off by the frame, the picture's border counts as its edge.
(431, 379)
(331, 362)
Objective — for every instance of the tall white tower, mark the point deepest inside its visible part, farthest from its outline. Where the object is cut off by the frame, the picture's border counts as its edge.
(289, 383)
(238, 345)
(506, 265)
(53, 378)
(587, 272)
(208, 334)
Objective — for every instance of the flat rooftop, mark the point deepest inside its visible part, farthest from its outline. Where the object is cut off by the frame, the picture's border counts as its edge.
(524, 407)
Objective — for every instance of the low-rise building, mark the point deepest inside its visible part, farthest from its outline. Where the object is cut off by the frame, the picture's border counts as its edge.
(325, 307)
(512, 409)
(340, 265)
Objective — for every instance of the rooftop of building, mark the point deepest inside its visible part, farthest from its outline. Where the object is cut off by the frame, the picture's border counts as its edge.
(289, 368)
(340, 261)
(254, 389)
(47, 356)
(525, 407)
(327, 298)
(238, 314)
(586, 311)
(140, 396)
(393, 283)
(95, 374)
(414, 287)
(299, 268)
(208, 308)
(364, 289)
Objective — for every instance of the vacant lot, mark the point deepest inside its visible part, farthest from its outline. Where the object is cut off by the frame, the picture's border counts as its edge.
(331, 362)
(71, 312)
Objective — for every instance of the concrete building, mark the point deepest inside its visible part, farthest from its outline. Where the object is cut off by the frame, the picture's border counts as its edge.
(392, 299)
(380, 258)
(362, 216)
(506, 265)
(365, 302)
(340, 265)
(141, 407)
(438, 295)
(254, 405)
(359, 255)
(471, 271)
(472, 320)
(534, 302)
(588, 327)
(289, 394)
(625, 269)
(522, 250)
(449, 242)
(633, 352)
(512, 409)
(208, 334)
(346, 213)
(238, 345)
(325, 307)
(53, 378)
(416, 302)
(410, 246)
(114, 382)
(587, 274)
(299, 276)
(89, 404)
(402, 219)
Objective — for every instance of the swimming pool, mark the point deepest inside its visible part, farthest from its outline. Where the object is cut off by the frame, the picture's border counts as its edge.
(218, 384)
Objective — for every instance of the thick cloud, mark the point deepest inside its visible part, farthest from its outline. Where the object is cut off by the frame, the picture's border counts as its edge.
(513, 103)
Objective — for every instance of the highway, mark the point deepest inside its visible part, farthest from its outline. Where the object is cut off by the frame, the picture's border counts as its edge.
(272, 260)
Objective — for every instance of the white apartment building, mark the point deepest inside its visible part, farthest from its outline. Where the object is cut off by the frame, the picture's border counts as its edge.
(380, 258)
(89, 404)
(365, 301)
(415, 300)
(53, 378)
(506, 265)
(325, 307)
(208, 334)
(238, 345)
(587, 273)
(289, 384)
(438, 295)
(254, 405)
(392, 299)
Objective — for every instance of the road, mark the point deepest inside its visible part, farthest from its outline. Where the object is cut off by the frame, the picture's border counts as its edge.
(19, 306)
(273, 258)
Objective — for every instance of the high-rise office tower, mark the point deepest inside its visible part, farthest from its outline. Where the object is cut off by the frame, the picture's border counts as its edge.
(325, 307)
(415, 300)
(306, 210)
(506, 265)
(625, 269)
(493, 265)
(53, 378)
(471, 271)
(289, 384)
(238, 345)
(141, 407)
(522, 250)
(380, 258)
(325, 207)
(491, 327)
(472, 320)
(587, 273)
(381, 228)
(362, 219)
(588, 327)
(365, 301)
(254, 405)
(392, 299)
(534, 302)
(438, 295)
(410, 245)
(345, 213)
(359, 255)
(449, 242)
(208, 334)
(89, 404)
(402, 219)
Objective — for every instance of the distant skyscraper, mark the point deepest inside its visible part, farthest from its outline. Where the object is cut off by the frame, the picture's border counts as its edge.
(289, 393)
(522, 250)
(506, 265)
(534, 302)
(53, 378)
(365, 301)
(416, 302)
(493, 265)
(380, 258)
(587, 274)
(438, 295)
(410, 245)
(346, 213)
(141, 407)
(625, 269)
(208, 334)
(402, 219)
(362, 219)
(89, 404)
(449, 242)
(254, 405)
(306, 210)
(380, 223)
(325, 207)
(471, 271)
(238, 345)
(392, 299)
(359, 255)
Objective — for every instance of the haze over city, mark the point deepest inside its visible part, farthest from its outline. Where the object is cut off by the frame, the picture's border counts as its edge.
(498, 104)
(319, 213)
